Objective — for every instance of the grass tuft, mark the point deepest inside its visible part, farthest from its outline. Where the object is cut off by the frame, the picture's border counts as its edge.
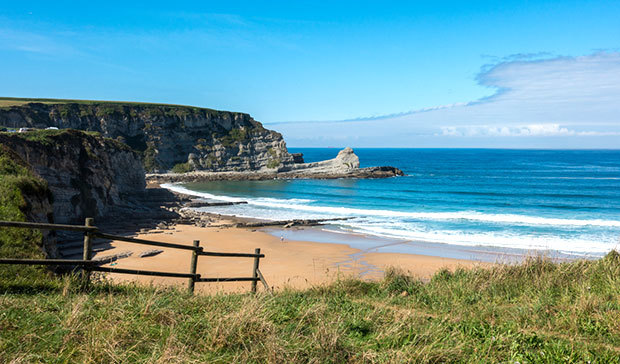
(535, 312)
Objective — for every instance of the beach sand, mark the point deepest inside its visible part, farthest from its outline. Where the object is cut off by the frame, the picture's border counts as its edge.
(295, 264)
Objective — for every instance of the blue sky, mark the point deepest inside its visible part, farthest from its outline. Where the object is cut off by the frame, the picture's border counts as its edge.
(403, 74)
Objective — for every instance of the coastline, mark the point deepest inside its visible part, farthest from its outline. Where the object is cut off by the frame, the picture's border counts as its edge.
(454, 231)
(296, 257)
(287, 264)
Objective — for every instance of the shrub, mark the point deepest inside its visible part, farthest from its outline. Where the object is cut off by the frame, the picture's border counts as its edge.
(274, 163)
(182, 168)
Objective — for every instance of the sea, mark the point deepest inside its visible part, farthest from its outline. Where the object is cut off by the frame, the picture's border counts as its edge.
(464, 203)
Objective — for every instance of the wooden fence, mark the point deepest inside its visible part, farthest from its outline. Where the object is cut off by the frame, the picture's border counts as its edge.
(89, 265)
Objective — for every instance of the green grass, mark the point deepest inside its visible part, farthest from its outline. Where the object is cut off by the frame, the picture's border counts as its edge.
(235, 137)
(18, 101)
(16, 183)
(274, 163)
(536, 312)
(49, 137)
(182, 168)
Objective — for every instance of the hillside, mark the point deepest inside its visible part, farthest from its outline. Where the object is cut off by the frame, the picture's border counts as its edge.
(88, 175)
(165, 135)
(536, 312)
(23, 197)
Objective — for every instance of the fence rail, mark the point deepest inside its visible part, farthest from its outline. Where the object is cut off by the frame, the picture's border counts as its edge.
(49, 261)
(41, 226)
(146, 242)
(89, 265)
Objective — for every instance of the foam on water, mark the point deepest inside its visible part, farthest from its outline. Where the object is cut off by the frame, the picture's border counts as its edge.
(526, 242)
(402, 225)
(565, 201)
(298, 204)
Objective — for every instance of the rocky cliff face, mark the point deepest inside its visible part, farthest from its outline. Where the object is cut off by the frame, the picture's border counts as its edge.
(87, 175)
(21, 190)
(166, 135)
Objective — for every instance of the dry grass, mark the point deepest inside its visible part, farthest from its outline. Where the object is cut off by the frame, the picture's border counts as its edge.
(536, 312)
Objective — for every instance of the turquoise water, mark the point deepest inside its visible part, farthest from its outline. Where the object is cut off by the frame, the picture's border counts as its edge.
(563, 201)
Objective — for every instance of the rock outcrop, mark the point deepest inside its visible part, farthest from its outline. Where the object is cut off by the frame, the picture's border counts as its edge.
(190, 138)
(88, 175)
(345, 162)
(345, 165)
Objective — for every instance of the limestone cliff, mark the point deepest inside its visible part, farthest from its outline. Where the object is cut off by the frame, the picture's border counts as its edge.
(345, 162)
(165, 135)
(88, 175)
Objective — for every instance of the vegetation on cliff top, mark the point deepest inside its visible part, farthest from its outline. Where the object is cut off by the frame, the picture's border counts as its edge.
(18, 101)
(16, 183)
(535, 312)
(101, 108)
(53, 138)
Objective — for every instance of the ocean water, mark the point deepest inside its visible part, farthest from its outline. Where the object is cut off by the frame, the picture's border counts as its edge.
(544, 200)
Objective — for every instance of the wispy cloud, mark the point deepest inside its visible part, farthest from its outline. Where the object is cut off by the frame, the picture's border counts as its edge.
(33, 42)
(540, 130)
(561, 97)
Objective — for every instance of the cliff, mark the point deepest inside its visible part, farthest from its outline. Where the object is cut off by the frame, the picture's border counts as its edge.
(23, 197)
(166, 136)
(88, 175)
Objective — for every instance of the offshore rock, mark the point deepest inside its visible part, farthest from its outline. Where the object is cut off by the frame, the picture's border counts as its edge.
(345, 162)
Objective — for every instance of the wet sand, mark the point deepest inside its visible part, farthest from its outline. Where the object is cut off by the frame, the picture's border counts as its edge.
(288, 263)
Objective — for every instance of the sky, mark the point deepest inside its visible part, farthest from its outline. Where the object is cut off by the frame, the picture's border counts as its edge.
(497, 74)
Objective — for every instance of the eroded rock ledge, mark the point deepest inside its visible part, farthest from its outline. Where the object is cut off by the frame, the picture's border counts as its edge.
(345, 165)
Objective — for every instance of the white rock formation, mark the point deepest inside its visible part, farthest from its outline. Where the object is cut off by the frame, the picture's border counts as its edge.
(346, 161)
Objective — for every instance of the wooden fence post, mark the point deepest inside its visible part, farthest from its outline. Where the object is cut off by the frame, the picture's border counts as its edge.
(88, 250)
(255, 270)
(192, 268)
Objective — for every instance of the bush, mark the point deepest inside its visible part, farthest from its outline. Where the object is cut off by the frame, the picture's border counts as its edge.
(182, 168)
(274, 163)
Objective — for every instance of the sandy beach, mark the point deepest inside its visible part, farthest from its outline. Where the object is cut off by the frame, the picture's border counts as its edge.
(295, 264)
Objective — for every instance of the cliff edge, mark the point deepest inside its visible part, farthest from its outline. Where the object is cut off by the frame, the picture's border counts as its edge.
(190, 138)
(88, 175)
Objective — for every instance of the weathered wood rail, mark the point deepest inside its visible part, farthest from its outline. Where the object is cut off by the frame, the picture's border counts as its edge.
(89, 265)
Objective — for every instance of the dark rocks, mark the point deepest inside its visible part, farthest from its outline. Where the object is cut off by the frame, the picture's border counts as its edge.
(298, 157)
(88, 175)
(289, 223)
(113, 257)
(211, 204)
(150, 253)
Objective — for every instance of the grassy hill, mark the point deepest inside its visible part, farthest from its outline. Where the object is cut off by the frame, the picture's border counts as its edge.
(536, 312)
(18, 101)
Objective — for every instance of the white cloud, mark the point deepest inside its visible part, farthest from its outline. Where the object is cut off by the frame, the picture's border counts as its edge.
(558, 102)
(537, 130)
